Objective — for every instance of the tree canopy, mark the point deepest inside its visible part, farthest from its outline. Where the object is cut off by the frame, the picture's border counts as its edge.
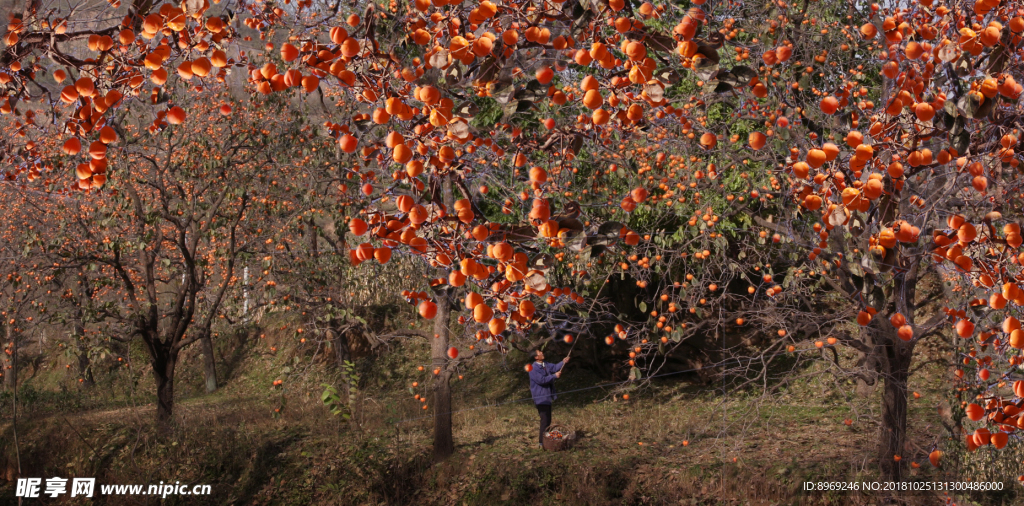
(779, 172)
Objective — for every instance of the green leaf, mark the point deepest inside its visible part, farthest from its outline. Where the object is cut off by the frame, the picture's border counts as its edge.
(643, 306)
(961, 141)
(327, 394)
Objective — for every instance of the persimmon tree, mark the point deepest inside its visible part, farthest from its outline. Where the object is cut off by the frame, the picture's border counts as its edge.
(867, 181)
(22, 286)
(79, 307)
(930, 150)
(978, 244)
(65, 300)
(66, 72)
(166, 236)
(859, 184)
(442, 224)
(310, 263)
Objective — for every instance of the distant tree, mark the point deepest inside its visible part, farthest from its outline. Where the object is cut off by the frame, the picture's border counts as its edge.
(23, 283)
(164, 238)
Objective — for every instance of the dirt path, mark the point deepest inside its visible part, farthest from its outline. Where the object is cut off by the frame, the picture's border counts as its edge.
(198, 407)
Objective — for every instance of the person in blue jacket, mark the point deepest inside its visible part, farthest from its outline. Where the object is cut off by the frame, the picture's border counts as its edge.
(542, 388)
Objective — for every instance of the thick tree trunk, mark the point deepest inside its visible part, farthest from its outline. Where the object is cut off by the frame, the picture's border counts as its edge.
(892, 437)
(163, 372)
(443, 444)
(8, 360)
(209, 363)
(870, 363)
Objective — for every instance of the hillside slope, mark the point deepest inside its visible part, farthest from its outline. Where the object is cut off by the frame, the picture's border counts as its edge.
(674, 443)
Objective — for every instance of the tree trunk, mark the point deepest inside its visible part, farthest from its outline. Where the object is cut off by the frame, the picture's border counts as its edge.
(443, 444)
(869, 362)
(209, 363)
(313, 243)
(892, 437)
(163, 372)
(343, 355)
(8, 361)
(84, 369)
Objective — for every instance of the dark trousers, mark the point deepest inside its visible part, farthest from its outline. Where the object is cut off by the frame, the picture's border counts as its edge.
(545, 419)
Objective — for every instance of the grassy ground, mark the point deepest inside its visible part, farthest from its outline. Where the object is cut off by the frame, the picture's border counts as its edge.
(675, 443)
